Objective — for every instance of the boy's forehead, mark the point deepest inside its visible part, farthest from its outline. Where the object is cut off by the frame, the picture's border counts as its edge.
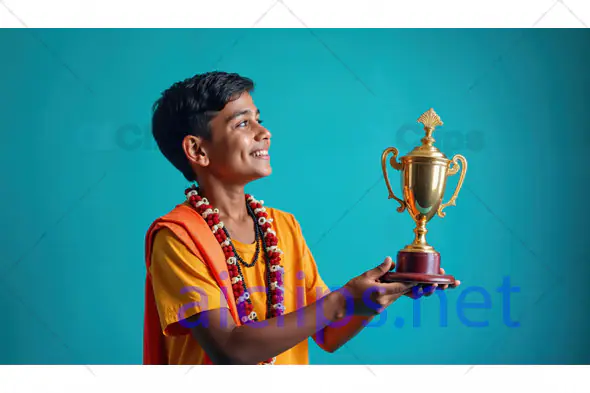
(244, 100)
(241, 105)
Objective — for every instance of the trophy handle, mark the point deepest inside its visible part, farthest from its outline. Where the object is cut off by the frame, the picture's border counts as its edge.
(453, 169)
(397, 166)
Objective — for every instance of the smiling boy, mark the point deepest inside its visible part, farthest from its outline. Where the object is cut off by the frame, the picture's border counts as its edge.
(230, 281)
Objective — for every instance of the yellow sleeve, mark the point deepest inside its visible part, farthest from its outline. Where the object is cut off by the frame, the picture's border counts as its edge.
(183, 284)
(315, 287)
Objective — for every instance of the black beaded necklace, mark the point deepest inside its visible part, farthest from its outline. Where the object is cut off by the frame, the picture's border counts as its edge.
(257, 237)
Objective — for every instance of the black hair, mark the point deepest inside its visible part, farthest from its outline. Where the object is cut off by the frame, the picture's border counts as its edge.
(187, 107)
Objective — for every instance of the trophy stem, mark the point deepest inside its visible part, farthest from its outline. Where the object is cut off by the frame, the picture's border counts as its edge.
(419, 244)
(420, 231)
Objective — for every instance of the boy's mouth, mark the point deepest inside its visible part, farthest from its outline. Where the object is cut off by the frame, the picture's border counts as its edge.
(261, 154)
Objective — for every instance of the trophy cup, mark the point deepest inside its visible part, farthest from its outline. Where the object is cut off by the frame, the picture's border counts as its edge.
(424, 173)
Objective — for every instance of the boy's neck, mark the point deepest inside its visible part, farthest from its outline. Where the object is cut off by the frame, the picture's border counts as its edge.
(229, 199)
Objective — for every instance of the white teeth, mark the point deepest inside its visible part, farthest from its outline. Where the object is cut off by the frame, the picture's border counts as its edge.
(260, 153)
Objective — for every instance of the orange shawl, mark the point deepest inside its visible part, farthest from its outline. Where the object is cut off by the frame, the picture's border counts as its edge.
(193, 231)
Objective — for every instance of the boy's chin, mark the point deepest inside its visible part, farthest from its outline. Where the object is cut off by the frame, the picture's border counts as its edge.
(261, 174)
(266, 172)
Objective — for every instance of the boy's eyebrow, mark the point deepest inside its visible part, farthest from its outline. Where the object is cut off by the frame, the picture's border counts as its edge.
(240, 113)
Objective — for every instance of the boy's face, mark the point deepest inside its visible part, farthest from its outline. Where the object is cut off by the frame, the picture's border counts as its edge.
(238, 149)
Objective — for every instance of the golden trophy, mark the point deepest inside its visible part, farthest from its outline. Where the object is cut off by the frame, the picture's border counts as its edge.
(424, 173)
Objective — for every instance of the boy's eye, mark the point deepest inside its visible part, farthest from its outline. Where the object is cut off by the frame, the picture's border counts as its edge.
(245, 123)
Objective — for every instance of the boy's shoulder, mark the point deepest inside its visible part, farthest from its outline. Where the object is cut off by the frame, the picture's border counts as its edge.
(284, 220)
(282, 215)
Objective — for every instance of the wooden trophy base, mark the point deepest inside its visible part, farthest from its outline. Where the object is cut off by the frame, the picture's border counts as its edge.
(418, 267)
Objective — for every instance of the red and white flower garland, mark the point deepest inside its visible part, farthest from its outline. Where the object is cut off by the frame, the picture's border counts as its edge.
(275, 290)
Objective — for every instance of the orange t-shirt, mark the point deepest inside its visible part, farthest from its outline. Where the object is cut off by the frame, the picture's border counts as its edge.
(184, 286)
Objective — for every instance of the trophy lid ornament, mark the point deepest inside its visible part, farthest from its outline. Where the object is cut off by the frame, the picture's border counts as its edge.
(430, 120)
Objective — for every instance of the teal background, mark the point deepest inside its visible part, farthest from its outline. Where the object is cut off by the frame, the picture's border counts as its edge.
(82, 180)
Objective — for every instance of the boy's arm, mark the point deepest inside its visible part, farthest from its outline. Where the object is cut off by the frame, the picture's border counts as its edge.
(258, 341)
(335, 335)
(190, 301)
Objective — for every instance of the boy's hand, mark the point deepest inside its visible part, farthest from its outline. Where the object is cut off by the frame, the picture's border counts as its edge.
(368, 296)
(425, 290)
